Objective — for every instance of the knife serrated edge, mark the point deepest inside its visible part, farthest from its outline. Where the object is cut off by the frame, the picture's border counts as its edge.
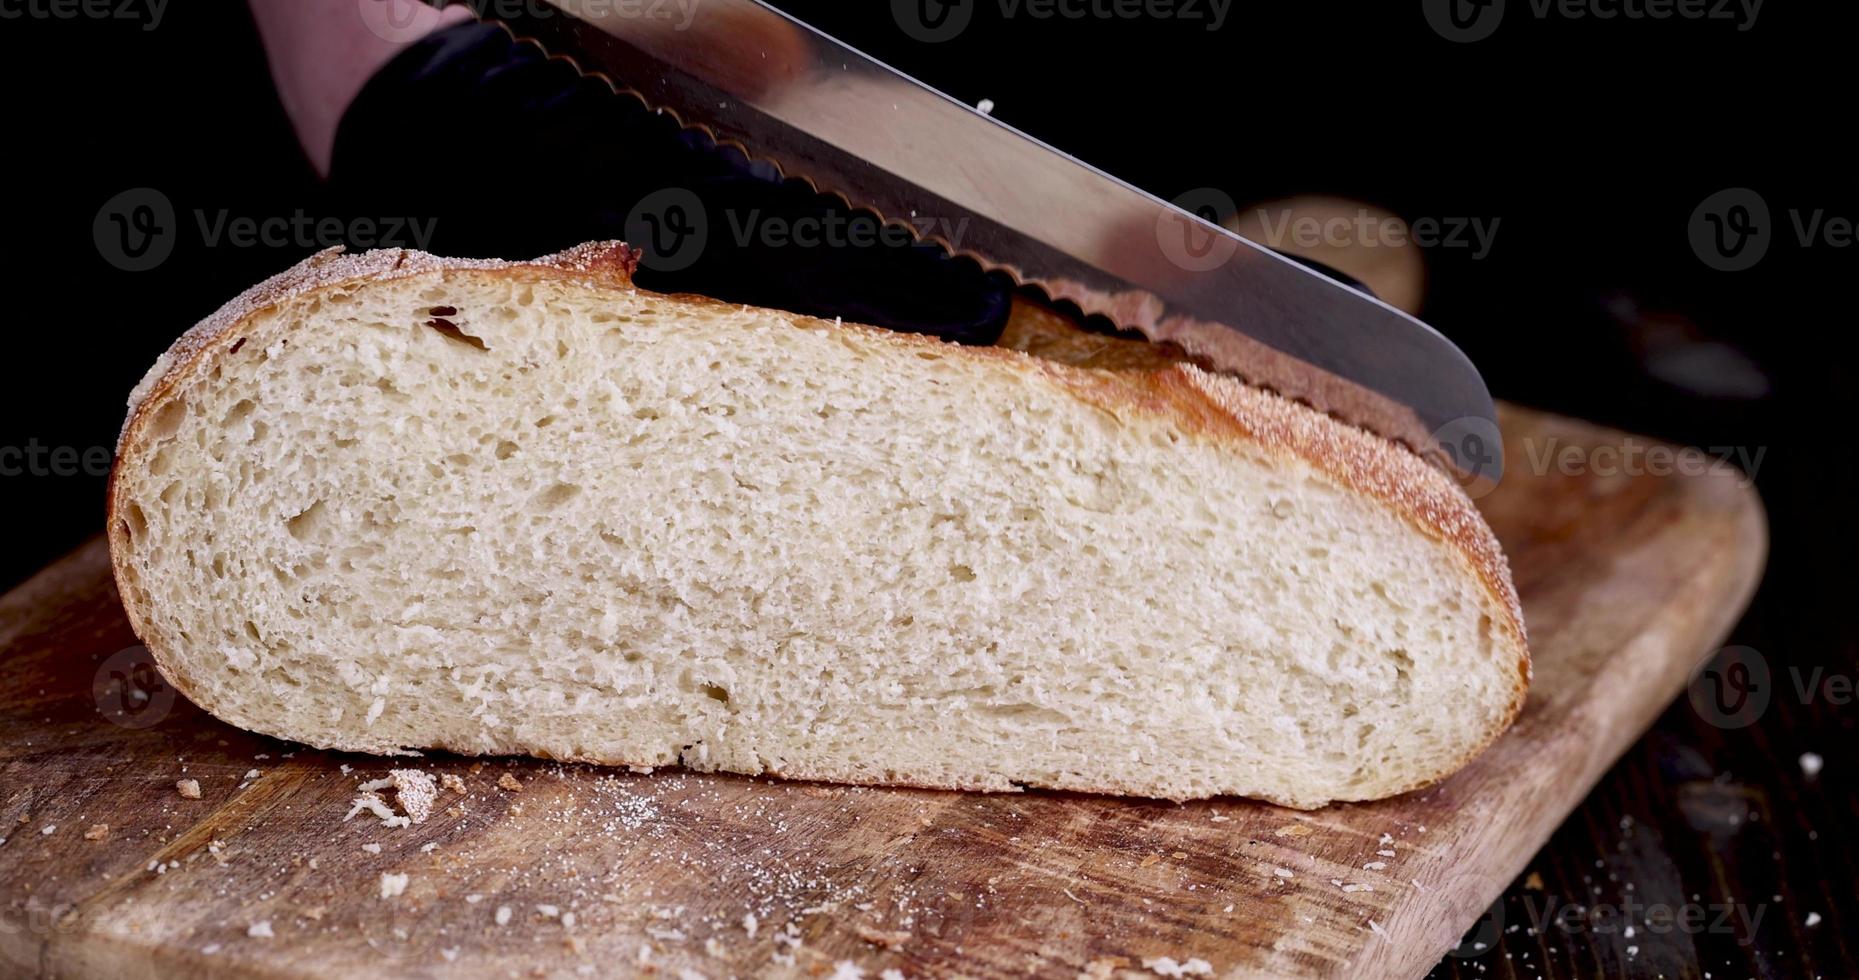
(1212, 346)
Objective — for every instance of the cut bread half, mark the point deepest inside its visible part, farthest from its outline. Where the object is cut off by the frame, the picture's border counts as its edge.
(388, 501)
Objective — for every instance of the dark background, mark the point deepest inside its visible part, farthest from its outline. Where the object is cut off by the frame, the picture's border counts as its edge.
(1591, 141)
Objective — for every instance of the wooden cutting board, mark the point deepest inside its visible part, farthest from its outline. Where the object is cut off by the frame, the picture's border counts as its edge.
(1627, 582)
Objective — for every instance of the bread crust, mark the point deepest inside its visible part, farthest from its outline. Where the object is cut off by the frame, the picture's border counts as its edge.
(1121, 377)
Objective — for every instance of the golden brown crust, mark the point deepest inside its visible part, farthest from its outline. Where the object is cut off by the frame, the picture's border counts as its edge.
(1121, 376)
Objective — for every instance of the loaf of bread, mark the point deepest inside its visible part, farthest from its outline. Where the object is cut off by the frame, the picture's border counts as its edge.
(389, 501)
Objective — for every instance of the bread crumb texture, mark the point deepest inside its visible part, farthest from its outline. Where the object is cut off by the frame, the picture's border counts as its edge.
(390, 501)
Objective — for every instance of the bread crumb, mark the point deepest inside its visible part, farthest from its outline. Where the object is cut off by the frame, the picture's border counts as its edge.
(1811, 763)
(509, 782)
(1102, 968)
(1149, 860)
(847, 970)
(373, 803)
(97, 831)
(888, 938)
(260, 930)
(451, 781)
(503, 915)
(49, 829)
(392, 885)
(414, 790)
(1165, 966)
(1533, 882)
(1812, 920)
(371, 847)
(749, 924)
(188, 788)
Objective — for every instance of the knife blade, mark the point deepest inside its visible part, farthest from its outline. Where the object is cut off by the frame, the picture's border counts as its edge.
(818, 109)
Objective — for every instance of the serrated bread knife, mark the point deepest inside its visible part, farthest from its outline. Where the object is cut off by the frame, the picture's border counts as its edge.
(820, 110)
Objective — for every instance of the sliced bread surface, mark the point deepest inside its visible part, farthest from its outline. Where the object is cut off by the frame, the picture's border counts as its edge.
(388, 501)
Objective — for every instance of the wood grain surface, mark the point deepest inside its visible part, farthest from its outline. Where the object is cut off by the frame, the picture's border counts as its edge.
(107, 870)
